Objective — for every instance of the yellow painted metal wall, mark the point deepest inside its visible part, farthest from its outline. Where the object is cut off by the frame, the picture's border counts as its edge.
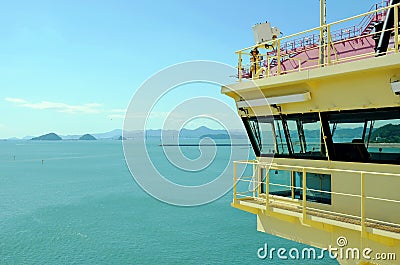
(375, 185)
(354, 85)
(323, 236)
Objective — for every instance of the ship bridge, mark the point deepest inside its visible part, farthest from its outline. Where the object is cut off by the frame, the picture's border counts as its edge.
(322, 112)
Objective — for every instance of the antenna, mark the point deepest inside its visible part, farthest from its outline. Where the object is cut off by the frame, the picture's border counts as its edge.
(323, 33)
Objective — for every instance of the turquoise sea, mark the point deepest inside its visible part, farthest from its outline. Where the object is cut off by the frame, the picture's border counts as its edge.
(75, 202)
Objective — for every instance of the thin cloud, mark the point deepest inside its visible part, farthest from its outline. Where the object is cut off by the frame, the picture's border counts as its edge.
(15, 100)
(89, 108)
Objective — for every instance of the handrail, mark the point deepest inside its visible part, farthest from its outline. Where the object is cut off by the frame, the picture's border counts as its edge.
(298, 168)
(286, 47)
(319, 27)
(316, 190)
(301, 205)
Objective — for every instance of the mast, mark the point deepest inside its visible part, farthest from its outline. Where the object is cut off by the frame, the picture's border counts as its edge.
(323, 31)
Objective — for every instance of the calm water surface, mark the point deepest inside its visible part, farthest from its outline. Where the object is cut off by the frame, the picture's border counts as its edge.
(76, 202)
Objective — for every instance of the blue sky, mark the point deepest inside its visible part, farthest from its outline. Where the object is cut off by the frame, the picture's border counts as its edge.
(71, 67)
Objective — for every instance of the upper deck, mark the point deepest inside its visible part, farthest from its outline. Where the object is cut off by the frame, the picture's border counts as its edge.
(350, 39)
(357, 56)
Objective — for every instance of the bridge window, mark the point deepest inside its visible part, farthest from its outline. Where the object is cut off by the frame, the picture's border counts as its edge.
(296, 136)
(366, 136)
(370, 136)
(260, 132)
(318, 187)
(267, 139)
(289, 184)
(280, 183)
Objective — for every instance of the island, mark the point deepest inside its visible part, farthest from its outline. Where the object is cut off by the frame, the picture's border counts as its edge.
(47, 137)
(386, 134)
(87, 137)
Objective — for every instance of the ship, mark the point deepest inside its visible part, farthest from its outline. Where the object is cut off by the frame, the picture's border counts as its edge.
(321, 108)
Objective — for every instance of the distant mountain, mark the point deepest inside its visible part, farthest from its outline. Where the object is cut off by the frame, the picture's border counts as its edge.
(137, 134)
(47, 137)
(114, 134)
(87, 137)
(189, 133)
(197, 133)
(70, 137)
(348, 133)
(386, 134)
(13, 139)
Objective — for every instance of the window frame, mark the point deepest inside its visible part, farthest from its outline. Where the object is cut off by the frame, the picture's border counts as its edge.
(326, 119)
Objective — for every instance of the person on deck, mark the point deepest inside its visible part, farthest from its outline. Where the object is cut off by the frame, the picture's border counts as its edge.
(254, 62)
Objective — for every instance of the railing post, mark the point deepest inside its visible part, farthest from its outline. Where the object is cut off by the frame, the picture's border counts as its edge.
(240, 66)
(329, 44)
(234, 183)
(278, 56)
(304, 202)
(362, 206)
(267, 190)
(322, 43)
(259, 181)
(256, 175)
(292, 181)
(396, 29)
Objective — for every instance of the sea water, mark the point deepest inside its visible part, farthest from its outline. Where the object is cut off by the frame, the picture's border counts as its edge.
(75, 202)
